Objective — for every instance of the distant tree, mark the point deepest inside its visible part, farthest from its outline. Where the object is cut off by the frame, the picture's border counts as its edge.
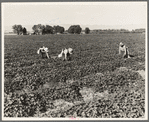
(75, 29)
(44, 31)
(38, 29)
(48, 29)
(87, 30)
(17, 29)
(71, 30)
(41, 28)
(61, 29)
(24, 31)
(58, 29)
(35, 29)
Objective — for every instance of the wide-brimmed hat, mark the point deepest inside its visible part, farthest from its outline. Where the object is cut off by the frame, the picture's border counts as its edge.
(70, 50)
(121, 44)
(45, 49)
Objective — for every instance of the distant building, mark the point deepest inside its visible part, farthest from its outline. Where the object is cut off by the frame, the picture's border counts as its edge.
(82, 32)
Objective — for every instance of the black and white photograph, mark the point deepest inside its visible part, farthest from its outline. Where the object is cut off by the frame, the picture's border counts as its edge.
(74, 61)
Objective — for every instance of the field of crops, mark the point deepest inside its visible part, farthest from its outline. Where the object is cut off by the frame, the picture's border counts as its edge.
(96, 83)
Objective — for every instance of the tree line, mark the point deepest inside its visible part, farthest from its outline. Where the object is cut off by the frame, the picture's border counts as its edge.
(73, 29)
(108, 31)
(47, 29)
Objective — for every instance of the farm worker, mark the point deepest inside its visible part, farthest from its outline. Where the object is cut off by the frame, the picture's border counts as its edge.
(43, 51)
(65, 54)
(123, 48)
(126, 54)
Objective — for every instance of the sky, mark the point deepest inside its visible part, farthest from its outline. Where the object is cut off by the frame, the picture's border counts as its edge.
(114, 15)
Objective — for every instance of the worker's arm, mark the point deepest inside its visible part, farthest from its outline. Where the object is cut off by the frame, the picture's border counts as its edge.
(47, 55)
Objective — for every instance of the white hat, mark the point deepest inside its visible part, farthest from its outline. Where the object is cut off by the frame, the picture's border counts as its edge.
(45, 49)
(121, 43)
(70, 50)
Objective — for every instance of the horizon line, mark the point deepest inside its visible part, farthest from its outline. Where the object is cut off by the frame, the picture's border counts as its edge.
(103, 27)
